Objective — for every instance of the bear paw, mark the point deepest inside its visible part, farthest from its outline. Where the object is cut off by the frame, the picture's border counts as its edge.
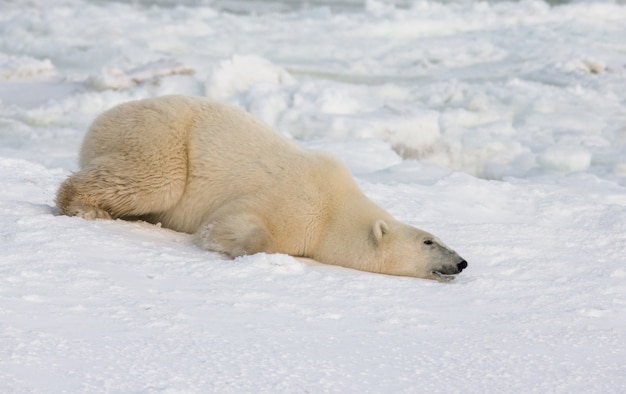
(88, 212)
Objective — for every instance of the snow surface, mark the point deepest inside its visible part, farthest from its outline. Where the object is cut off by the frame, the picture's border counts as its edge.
(498, 126)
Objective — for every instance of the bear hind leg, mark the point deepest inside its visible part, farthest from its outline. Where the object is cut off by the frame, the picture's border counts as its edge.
(70, 203)
(109, 188)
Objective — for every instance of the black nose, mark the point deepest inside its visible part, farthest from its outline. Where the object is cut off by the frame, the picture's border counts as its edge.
(462, 265)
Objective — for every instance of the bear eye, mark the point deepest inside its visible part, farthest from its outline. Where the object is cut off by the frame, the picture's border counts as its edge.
(428, 242)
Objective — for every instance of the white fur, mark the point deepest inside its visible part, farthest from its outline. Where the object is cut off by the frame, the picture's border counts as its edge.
(203, 167)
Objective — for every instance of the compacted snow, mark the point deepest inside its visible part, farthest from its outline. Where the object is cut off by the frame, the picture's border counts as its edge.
(498, 126)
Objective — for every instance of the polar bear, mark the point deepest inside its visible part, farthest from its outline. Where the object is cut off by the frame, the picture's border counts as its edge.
(206, 168)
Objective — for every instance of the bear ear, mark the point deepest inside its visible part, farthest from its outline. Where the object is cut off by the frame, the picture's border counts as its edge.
(380, 228)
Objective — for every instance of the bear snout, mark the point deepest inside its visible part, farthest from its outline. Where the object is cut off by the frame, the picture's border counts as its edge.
(447, 272)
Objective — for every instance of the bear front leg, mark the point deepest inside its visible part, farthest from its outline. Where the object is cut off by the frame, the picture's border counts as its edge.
(235, 235)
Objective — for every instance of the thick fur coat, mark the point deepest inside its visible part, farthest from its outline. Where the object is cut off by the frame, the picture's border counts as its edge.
(203, 167)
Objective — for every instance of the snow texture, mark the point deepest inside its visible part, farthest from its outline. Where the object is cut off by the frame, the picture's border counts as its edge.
(498, 126)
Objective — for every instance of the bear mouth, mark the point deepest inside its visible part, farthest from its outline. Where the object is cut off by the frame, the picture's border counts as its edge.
(441, 277)
(447, 273)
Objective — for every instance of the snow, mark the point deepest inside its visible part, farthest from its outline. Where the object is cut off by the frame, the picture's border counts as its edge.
(498, 126)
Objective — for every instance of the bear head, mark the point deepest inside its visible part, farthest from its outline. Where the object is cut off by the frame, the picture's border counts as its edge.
(408, 251)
